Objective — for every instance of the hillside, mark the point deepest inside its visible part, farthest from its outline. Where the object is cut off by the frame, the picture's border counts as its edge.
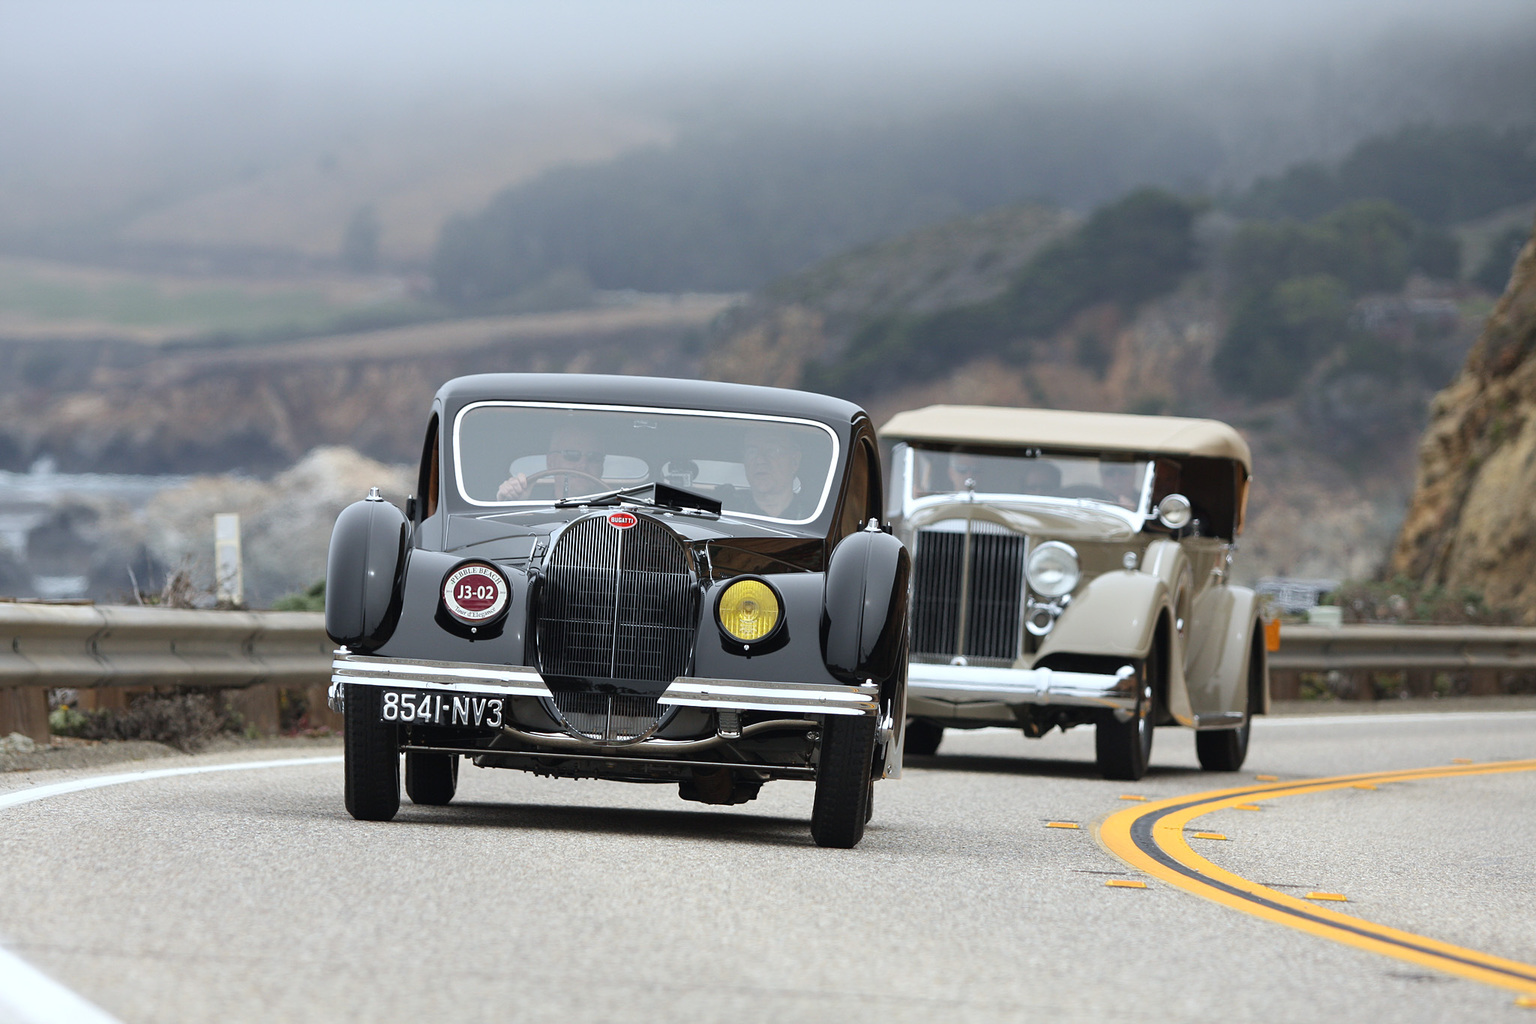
(129, 408)
(964, 311)
(1469, 525)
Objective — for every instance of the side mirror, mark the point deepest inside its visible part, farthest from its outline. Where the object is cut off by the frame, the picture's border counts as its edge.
(1175, 512)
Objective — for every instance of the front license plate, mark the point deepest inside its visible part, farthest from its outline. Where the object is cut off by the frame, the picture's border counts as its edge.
(424, 708)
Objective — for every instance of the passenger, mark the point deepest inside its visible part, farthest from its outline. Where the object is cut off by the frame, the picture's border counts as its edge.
(1124, 481)
(572, 447)
(1041, 477)
(771, 457)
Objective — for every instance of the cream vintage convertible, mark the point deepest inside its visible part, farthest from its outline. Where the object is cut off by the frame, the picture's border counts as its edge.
(1071, 568)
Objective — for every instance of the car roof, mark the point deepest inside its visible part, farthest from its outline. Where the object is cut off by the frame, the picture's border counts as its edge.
(664, 392)
(1063, 429)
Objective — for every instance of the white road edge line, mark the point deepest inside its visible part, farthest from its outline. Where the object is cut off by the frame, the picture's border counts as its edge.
(32, 996)
(1267, 721)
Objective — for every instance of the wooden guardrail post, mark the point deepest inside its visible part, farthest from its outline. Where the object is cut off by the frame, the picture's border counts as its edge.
(24, 709)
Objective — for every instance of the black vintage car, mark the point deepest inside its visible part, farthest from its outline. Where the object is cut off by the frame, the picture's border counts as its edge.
(626, 578)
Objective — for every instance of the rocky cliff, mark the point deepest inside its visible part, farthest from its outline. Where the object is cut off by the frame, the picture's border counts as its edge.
(1472, 520)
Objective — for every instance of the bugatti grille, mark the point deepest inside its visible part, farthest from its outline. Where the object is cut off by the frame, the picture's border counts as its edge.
(617, 604)
(609, 717)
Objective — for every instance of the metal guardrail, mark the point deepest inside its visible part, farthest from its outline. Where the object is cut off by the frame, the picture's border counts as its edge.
(1394, 648)
(101, 645)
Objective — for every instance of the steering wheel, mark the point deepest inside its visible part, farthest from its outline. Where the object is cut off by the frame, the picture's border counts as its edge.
(535, 477)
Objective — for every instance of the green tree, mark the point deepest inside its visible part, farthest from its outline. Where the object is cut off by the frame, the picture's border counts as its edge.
(1127, 252)
(1278, 334)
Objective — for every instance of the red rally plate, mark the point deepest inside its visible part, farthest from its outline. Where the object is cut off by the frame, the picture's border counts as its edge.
(622, 520)
(475, 593)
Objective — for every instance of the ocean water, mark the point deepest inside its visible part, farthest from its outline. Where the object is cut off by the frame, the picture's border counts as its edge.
(30, 500)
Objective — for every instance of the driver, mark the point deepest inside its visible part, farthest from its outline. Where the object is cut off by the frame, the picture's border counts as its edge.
(571, 447)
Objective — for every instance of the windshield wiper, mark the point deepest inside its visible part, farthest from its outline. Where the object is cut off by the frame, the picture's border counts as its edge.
(655, 495)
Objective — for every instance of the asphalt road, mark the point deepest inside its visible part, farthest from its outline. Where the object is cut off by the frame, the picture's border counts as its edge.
(250, 895)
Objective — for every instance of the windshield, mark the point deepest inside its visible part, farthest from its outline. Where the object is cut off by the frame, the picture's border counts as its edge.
(511, 453)
(1116, 482)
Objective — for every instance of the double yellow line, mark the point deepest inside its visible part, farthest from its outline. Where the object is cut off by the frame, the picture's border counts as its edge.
(1150, 837)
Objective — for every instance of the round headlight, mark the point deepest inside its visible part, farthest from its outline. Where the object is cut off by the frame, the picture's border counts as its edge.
(1175, 512)
(1052, 570)
(748, 611)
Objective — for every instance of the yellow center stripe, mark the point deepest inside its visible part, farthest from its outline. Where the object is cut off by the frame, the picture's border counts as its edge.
(1151, 838)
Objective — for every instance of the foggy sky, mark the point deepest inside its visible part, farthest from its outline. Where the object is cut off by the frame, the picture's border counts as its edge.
(113, 109)
(112, 49)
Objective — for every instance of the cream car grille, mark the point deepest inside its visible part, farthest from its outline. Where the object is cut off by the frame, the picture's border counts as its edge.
(968, 606)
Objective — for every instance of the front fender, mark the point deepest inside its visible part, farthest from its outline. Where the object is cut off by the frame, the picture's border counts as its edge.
(1113, 615)
(864, 607)
(363, 572)
(1224, 630)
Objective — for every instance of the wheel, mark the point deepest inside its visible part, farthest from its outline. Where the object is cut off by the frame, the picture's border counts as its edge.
(843, 781)
(1225, 750)
(372, 766)
(431, 779)
(869, 801)
(1124, 749)
(923, 737)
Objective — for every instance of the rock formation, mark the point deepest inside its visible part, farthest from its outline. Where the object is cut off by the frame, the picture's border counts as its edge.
(1472, 520)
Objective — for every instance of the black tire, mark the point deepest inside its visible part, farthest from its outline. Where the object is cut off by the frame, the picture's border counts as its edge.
(1225, 750)
(1124, 749)
(372, 766)
(431, 779)
(923, 738)
(843, 781)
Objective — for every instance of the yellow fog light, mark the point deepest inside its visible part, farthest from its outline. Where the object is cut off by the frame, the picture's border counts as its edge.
(748, 610)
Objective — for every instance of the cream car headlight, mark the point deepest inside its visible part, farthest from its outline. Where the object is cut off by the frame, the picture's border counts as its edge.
(1053, 569)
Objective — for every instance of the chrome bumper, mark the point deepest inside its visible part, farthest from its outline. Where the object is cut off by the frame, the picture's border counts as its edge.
(950, 687)
(520, 681)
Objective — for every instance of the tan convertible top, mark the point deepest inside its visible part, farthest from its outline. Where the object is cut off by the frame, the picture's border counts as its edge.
(1055, 428)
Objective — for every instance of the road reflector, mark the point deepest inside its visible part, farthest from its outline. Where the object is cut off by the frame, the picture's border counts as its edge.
(1209, 835)
(1121, 883)
(1336, 897)
(1529, 1001)
(1062, 824)
(1461, 760)
(1131, 796)
(1364, 785)
(1267, 778)
(1246, 807)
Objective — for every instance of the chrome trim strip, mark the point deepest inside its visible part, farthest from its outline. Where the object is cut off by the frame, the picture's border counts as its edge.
(959, 684)
(689, 691)
(503, 680)
(757, 695)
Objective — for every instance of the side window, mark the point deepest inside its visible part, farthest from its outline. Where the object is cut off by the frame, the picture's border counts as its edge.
(427, 480)
(860, 502)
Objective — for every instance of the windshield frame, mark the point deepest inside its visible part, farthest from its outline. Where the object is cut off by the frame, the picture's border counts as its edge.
(834, 473)
(907, 452)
